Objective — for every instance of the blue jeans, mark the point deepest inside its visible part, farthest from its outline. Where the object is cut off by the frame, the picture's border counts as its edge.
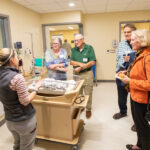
(122, 98)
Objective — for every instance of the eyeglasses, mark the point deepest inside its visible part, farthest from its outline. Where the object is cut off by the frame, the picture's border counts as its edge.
(55, 43)
(78, 40)
(127, 32)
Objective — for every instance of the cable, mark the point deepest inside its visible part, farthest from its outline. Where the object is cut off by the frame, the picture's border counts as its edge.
(79, 99)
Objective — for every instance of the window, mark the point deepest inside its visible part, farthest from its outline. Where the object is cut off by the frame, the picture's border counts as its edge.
(5, 38)
(62, 30)
(2, 34)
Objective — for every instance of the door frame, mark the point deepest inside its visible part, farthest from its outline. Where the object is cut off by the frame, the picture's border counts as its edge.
(126, 22)
(7, 30)
(58, 24)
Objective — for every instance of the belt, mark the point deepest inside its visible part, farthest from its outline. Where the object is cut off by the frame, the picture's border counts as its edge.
(85, 70)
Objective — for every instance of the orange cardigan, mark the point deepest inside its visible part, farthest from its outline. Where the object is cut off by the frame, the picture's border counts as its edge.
(139, 85)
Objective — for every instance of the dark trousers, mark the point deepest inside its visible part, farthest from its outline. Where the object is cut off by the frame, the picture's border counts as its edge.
(122, 98)
(143, 128)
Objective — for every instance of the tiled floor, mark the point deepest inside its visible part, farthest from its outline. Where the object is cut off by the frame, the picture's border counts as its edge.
(101, 131)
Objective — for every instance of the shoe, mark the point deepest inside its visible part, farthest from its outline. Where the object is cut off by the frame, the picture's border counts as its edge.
(129, 147)
(88, 114)
(133, 128)
(119, 116)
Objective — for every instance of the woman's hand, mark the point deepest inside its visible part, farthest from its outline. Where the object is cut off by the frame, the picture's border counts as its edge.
(126, 80)
(61, 69)
(123, 72)
(126, 58)
(38, 84)
(56, 66)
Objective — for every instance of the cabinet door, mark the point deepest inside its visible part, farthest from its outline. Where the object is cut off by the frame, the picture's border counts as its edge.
(76, 120)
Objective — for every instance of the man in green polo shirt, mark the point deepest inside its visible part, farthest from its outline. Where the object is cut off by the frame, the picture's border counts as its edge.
(82, 59)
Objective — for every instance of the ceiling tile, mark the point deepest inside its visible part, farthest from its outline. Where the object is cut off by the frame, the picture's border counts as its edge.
(139, 6)
(119, 1)
(66, 5)
(141, 1)
(96, 8)
(22, 2)
(40, 1)
(86, 6)
(118, 7)
(94, 1)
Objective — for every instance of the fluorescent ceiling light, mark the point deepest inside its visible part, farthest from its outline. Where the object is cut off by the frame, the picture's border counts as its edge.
(71, 4)
(71, 28)
(51, 29)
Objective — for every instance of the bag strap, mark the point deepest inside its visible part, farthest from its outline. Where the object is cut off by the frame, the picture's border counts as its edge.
(148, 101)
(147, 78)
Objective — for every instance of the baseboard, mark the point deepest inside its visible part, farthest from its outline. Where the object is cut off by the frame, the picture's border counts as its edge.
(104, 81)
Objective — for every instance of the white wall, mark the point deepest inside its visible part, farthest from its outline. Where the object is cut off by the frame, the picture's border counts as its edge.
(100, 30)
(23, 23)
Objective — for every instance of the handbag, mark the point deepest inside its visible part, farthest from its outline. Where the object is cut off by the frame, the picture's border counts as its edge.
(147, 115)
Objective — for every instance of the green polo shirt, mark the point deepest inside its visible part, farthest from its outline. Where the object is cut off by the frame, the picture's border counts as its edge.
(85, 56)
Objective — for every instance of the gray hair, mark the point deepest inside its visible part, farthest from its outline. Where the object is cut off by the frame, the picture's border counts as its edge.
(131, 26)
(79, 35)
(58, 39)
(143, 36)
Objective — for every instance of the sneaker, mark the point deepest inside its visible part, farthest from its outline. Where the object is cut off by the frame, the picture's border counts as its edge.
(88, 114)
(119, 116)
(133, 128)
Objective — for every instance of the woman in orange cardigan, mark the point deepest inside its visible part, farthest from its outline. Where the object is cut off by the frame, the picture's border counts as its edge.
(139, 85)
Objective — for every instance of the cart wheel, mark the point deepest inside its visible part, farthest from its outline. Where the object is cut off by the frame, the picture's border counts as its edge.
(75, 147)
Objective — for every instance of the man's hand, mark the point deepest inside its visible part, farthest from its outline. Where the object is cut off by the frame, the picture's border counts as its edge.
(78, 69)
(126, 58)
(83, 66)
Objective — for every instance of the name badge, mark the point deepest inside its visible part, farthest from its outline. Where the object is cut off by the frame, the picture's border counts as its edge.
(61, 56)
(85, 59)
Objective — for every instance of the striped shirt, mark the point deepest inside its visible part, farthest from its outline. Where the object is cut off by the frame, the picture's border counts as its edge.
(18, 84)
(123, 48)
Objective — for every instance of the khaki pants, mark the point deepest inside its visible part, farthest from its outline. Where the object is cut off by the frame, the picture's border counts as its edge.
(87, 87)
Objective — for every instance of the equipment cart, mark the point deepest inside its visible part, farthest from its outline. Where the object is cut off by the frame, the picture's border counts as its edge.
(58, 117)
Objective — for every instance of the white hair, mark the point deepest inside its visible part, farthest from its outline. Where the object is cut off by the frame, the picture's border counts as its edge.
(79, 35)
(143, 36)
(58, 39)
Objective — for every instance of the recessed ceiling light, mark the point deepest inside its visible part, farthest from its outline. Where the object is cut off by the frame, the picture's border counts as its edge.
(71, 4)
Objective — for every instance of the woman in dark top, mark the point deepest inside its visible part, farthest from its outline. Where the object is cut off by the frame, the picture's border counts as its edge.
(19, 112)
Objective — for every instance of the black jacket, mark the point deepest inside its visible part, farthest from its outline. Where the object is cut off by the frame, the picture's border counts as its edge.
(14, 110)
